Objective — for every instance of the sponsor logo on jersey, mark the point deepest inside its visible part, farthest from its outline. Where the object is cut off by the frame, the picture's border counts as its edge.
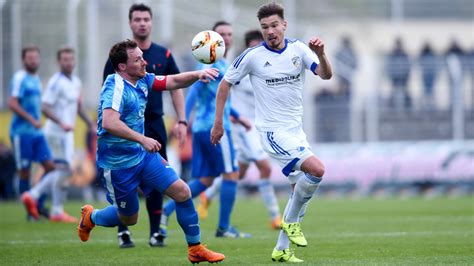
(283, 80)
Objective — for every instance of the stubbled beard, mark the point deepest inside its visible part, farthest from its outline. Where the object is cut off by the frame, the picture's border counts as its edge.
(31, 69)
(141, 37)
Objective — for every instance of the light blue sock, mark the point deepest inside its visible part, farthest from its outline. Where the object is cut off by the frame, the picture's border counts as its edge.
(228, 194)
(107, 217)
(189, 221)
(196, 188)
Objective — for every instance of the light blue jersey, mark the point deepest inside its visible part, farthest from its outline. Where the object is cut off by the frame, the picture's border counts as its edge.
(120, 95)
(27, 88)
(206, 101)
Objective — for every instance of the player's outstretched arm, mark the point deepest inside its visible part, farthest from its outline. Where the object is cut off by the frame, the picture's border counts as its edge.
(218, 129)
(14, 105)
(324, 69)
(111, 123)
(185, 79)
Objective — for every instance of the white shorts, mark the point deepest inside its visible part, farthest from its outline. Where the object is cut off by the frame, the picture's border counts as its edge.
(62, 147)
(249, 149)
(289, 148)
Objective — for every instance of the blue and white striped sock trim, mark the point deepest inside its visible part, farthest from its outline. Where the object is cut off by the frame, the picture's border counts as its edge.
(313, 179)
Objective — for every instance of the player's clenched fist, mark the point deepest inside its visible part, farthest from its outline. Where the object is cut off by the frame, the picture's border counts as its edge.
(206, 75)
(316, 45)
(150, 145)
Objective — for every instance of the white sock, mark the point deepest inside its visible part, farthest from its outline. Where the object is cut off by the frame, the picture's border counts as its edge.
(214, 188)
(59, 192)
(303, 211)
(303, 192)
(269, 198)
(283, 242)
(44, 185)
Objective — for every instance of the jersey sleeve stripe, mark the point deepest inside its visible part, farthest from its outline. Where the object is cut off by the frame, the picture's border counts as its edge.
(313, 67)
(241, 57)
(118, 93)
(17, 80)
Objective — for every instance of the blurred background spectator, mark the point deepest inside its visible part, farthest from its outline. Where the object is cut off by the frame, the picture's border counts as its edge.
(455, 62)
(398, 70)
(345, 66)
(430, 66)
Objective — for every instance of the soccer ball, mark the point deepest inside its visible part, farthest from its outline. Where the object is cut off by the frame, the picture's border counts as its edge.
(208, 46)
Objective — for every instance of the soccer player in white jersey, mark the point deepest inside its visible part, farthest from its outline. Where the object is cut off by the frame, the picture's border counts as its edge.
(61, 102)
(249, 149)
(276, 69)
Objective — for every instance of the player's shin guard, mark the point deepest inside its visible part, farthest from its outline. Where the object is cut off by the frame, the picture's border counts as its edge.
(189, 221)
(303, 192)
(107, 217)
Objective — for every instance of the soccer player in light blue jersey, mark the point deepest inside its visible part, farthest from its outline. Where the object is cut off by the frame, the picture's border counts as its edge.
(61, 103)
(277, 70)
(224, 161)
(28, 141)
(127, 159)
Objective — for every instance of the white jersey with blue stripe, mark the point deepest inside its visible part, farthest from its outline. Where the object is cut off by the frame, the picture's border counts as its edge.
(63, 94)
(120, 95)
(243, 98)
(277, 78)
(27, 89)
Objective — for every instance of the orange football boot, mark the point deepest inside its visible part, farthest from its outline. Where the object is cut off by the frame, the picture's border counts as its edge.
(30, 205)
(85, 224)
(199, 253)
(276, 223)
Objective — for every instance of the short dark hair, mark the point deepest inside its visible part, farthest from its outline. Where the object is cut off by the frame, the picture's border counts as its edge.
(252, 35)
(220, 23)
(139, 7)
(64, 50)
(29, 48)
(271, 9)
(118, 53)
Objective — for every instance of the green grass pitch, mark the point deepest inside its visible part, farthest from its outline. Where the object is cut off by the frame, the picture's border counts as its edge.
(339, 232)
